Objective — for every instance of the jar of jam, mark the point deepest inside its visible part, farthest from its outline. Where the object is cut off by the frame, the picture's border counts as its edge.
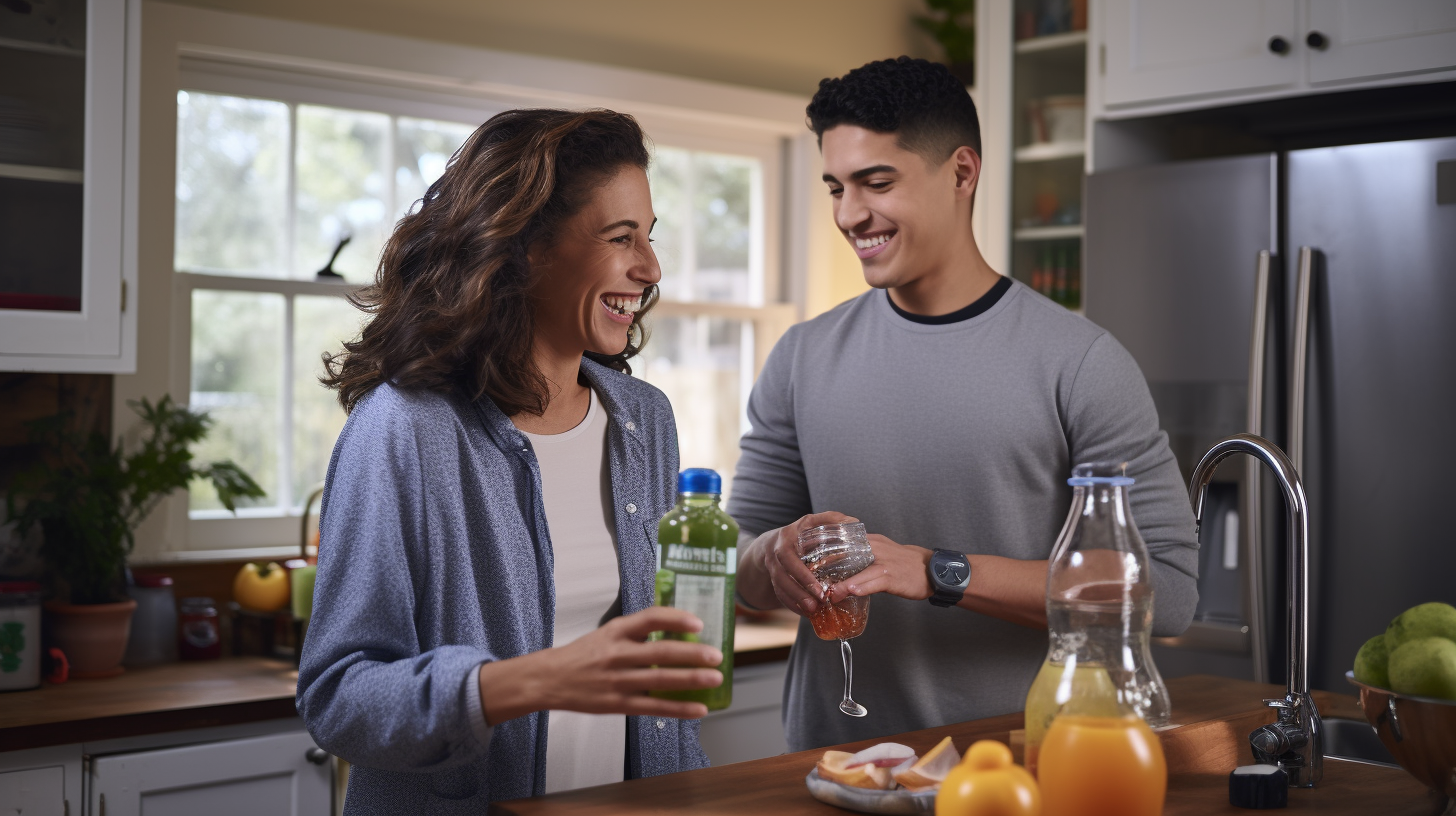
(198, 636)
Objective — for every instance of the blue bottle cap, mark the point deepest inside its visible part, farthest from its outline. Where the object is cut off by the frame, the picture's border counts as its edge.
(700, 480)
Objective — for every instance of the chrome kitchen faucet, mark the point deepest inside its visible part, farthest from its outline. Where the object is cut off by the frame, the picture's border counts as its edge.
(1295, 742)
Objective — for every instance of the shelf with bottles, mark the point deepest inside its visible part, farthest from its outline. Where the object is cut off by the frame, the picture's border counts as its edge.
(1052, 268)
(1049, 24)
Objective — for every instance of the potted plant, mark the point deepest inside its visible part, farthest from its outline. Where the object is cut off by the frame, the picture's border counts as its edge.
(88, 497)
(951, 23)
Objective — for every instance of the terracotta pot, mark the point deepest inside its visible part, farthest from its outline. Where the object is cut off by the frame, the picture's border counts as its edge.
(93, 636)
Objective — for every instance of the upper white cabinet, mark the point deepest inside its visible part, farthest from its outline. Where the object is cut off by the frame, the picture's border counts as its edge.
(67, 164)
(1360, 39)
(1165, 49)
(1164, 54)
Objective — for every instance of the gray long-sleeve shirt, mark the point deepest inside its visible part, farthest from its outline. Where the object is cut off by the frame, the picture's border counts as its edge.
(959, 436)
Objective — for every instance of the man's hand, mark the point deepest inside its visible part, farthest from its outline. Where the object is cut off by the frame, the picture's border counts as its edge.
(772, 571)
(607, 671)
(902, 570)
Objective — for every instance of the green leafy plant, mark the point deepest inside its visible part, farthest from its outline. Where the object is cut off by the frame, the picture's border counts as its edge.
(951, 23)
(89, 496)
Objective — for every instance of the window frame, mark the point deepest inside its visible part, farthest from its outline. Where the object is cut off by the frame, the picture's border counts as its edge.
(263, 532)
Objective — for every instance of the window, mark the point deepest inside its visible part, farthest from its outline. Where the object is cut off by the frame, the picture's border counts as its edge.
(268, 189)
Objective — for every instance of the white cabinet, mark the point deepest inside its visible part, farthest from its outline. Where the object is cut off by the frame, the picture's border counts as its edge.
(67, 176)
(1156, 55)
(753, 727)
(41, 782)
(1365, 39)
(283, 774)
(1163, 49)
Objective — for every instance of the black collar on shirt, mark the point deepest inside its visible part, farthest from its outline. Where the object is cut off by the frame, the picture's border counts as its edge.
(981, 305)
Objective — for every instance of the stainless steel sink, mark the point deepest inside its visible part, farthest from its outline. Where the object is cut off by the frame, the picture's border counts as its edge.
(1355, 739)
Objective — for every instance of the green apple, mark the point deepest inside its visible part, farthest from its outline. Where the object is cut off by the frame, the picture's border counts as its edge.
(1371, 663)
(1425, 667)
(1426, 620)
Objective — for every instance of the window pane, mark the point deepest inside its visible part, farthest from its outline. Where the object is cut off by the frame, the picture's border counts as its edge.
(232, 185)
(707, 234)
(704, 365)
(342, 167)
(422, 150)
(237, 377)
(320, 324)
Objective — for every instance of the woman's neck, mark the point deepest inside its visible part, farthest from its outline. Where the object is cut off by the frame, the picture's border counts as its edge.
(568, 399)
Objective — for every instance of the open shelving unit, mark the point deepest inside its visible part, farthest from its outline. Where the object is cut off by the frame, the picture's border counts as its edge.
(1048, 73)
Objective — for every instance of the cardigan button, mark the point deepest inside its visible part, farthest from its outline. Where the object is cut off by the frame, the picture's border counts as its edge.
(661, 724)
(631, 508)
(631, 426)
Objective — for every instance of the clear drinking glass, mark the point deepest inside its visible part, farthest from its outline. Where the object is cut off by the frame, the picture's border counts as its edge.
(834, 552)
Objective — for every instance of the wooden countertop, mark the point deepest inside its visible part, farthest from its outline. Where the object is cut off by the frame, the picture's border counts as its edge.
(776, 784)
(153, 700)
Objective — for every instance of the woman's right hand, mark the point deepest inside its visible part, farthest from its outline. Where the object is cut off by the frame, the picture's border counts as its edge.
(608, 671)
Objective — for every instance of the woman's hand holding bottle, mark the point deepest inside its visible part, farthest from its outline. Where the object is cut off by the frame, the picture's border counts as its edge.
(608, 671)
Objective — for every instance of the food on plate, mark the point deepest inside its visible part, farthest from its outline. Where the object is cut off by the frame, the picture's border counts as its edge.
(928, 771)
(885, 755)
(1425, 667)
(988, 783)
(261, 588)
(835, 768)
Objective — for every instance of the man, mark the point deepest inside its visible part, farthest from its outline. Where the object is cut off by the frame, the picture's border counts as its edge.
(945, 409)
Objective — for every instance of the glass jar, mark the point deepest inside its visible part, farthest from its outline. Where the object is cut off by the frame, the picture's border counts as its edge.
(198, 634)
(1099, 614)
(19, 635)
(154, 623)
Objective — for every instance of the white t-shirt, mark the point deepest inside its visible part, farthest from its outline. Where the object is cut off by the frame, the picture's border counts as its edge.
(582, 750)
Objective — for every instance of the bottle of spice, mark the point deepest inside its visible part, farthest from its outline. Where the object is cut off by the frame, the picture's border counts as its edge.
(19, 635)
(198, 635)
(154, 623)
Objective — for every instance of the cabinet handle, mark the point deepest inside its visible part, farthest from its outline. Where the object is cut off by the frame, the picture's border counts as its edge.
(317, 756)
(1279, 45)
(1316, 40)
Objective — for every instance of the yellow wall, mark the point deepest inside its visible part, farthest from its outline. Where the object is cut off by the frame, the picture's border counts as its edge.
(782, 45)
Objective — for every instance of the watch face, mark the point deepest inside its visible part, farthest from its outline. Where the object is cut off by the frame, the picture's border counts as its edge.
(951, 572)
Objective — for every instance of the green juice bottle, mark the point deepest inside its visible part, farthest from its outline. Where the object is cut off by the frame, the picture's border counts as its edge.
(697, 558)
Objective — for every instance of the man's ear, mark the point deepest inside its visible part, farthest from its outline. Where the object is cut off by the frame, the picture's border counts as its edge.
(967, 166)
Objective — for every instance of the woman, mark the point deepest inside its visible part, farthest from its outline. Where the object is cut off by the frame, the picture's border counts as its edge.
(494, 493)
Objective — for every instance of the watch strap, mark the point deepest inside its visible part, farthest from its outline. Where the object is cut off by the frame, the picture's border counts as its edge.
(945, 590)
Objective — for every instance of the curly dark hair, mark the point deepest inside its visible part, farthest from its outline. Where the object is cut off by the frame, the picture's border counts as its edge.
(919, 101)
(450, 302)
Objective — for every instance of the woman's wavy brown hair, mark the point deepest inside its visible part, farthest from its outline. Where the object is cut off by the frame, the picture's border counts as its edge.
(450, 303)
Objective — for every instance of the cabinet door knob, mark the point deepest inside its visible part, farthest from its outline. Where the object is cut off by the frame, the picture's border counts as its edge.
(317, 756)
(1316, 40)
(1279, 45)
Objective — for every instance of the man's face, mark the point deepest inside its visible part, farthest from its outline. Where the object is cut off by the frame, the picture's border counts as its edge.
(897, 210)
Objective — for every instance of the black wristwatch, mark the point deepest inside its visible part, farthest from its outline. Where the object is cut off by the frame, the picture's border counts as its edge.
(950, 572)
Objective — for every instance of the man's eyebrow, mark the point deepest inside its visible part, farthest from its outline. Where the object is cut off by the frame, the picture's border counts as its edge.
(859, 174)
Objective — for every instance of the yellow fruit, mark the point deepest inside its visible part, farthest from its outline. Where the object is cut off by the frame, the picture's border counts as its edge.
(261, 588)
(988, 783)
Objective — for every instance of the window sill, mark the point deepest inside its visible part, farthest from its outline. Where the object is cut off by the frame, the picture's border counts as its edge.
(209, 556)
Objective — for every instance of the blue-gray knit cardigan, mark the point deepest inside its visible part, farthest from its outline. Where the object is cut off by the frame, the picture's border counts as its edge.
(435, 557)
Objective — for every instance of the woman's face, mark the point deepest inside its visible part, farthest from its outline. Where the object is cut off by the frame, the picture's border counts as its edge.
(590, 280)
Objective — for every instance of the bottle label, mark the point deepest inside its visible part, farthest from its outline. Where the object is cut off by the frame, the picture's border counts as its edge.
(709, 560)
(704, 596)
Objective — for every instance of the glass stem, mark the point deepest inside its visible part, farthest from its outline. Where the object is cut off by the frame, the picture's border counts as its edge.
(847, 655)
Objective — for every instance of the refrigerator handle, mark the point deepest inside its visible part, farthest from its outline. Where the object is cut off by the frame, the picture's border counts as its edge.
(1252, 488)
(1299, 369)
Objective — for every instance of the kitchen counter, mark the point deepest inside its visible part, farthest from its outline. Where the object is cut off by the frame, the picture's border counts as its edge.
(776, 785)
(202, 694)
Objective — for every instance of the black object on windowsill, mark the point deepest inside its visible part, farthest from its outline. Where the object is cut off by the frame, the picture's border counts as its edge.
(328, 273)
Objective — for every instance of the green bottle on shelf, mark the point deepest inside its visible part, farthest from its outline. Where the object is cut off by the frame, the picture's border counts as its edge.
(697, 559)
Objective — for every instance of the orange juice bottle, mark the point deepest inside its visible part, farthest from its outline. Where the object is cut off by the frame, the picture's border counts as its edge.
(1102, 766)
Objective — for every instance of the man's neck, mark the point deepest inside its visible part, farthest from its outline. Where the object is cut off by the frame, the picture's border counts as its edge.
(952, 285)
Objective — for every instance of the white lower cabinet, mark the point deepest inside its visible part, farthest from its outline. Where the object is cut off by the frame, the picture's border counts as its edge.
(753, 727)
(283, 774)
(41, 782)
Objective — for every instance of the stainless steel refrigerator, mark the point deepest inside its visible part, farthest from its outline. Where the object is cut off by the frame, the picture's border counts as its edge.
(1309, 297)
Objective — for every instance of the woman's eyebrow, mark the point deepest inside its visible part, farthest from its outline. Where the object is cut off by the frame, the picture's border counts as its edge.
(625, 222)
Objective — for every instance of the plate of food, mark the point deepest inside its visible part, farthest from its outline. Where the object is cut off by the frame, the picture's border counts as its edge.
(884, 778)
